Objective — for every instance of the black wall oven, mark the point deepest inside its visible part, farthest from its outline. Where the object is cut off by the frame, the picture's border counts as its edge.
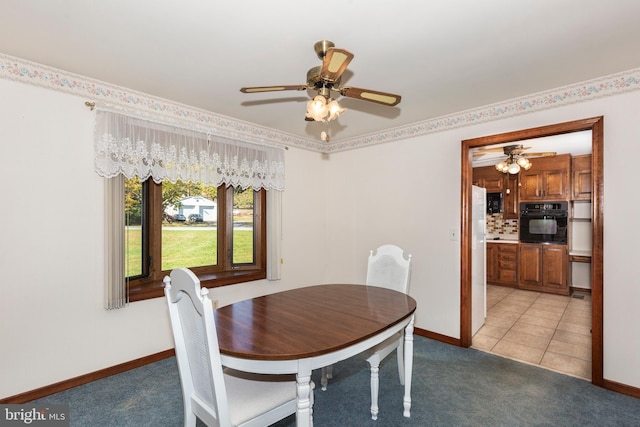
(544, 222)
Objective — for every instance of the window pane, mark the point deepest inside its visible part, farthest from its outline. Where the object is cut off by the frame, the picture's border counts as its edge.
(133, 227)
(189, 225)
(243, 237)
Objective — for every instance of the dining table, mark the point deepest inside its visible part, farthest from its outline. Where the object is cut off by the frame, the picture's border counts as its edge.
(298, 330)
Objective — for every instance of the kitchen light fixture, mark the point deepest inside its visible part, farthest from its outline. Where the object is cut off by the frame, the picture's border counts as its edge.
(513, 163)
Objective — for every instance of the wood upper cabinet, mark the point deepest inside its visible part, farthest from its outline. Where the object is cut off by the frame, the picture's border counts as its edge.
(511, 208)
(488, 177)
(581, 177)
(547, 180)
(543, 268)
(502, 264)
(497, 182)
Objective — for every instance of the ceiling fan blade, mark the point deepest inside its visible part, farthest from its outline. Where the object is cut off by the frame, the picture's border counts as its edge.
(485, 150)
(541, 154)
(520, 150)
(334, 63)
(255, 89)
(371, 95)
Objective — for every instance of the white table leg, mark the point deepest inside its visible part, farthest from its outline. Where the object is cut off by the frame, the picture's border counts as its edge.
(408, 366)
(304, 417)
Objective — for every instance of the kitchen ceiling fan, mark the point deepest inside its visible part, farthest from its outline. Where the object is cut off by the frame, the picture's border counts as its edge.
(325, 81)
(516, 159)
(512, 150)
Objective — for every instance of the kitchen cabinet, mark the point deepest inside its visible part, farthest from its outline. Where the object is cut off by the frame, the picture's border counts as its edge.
(502, 264)
(543, 268)
(492, 264)
(497, 182)
(547, 180)
(581, 177)
(488, 177)
(511, 208)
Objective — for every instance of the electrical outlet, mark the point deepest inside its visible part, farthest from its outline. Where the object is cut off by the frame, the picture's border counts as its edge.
(453, 234)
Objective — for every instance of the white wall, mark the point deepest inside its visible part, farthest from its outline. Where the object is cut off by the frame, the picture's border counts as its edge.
(52, 322)
(335, 208)
(408, 193)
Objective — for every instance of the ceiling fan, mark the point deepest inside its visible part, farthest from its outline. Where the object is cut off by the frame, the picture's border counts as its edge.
(516, 158)
(512, 150)
(325, 81)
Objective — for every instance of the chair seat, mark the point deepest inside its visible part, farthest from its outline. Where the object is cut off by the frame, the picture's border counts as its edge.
(218, 396)
(252, 395)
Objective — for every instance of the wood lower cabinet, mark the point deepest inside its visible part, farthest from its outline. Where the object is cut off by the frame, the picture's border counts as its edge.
(502, 266)
(543, 268)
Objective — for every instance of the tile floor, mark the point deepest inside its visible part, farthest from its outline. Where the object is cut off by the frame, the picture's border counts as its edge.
(552, 331)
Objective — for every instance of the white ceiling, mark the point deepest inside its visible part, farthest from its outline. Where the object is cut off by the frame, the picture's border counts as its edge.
(574, 143)
(441, 56)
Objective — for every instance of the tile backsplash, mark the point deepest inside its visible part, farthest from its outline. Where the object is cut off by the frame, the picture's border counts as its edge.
(497, 226)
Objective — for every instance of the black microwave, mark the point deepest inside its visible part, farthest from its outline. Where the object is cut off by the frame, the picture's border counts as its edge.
(494, 203)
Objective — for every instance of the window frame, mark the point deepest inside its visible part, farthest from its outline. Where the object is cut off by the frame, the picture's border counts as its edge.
(224, 273)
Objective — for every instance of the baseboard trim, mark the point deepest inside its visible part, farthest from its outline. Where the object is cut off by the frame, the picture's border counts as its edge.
(436, 336)
(621, 388)
(87, 378)
(123, 367)
(576, 288)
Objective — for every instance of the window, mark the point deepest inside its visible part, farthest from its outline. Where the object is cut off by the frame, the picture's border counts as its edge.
(217, 232)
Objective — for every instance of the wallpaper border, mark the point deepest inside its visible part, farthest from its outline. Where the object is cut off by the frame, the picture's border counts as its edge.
(20, 70)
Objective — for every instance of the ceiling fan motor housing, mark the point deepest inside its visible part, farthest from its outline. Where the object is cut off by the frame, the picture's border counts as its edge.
(315, 80)
(322, 47)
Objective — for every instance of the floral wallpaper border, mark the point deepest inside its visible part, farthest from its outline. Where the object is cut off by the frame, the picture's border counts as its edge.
(142, 104)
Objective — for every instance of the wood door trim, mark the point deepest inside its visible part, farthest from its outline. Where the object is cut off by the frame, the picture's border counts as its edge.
(596, 125)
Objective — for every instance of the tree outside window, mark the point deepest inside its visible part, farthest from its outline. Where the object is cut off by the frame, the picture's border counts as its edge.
(217, 232)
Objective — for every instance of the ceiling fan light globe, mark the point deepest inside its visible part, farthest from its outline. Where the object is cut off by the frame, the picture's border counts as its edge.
(334, 110)
(317, 108)
(523, 162)
(501, 167)
(513, 168)
(319, 99)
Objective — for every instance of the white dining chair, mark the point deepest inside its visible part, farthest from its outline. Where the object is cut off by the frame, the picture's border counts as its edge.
(218, 396)
(387, 268)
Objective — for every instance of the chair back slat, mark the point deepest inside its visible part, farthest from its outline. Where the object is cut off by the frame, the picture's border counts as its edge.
(197, 351)
(388, 268)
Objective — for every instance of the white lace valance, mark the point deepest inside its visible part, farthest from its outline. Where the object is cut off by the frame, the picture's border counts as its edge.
(141, 148)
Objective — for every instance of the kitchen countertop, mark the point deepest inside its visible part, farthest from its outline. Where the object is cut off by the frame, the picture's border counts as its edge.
(501, 240)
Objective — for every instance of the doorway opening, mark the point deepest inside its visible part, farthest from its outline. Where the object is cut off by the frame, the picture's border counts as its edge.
(595, 125)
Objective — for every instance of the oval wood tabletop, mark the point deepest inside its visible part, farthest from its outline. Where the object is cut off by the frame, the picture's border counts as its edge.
(308, 321)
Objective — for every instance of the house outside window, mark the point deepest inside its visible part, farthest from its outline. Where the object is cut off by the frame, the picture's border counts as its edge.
(217, 232)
